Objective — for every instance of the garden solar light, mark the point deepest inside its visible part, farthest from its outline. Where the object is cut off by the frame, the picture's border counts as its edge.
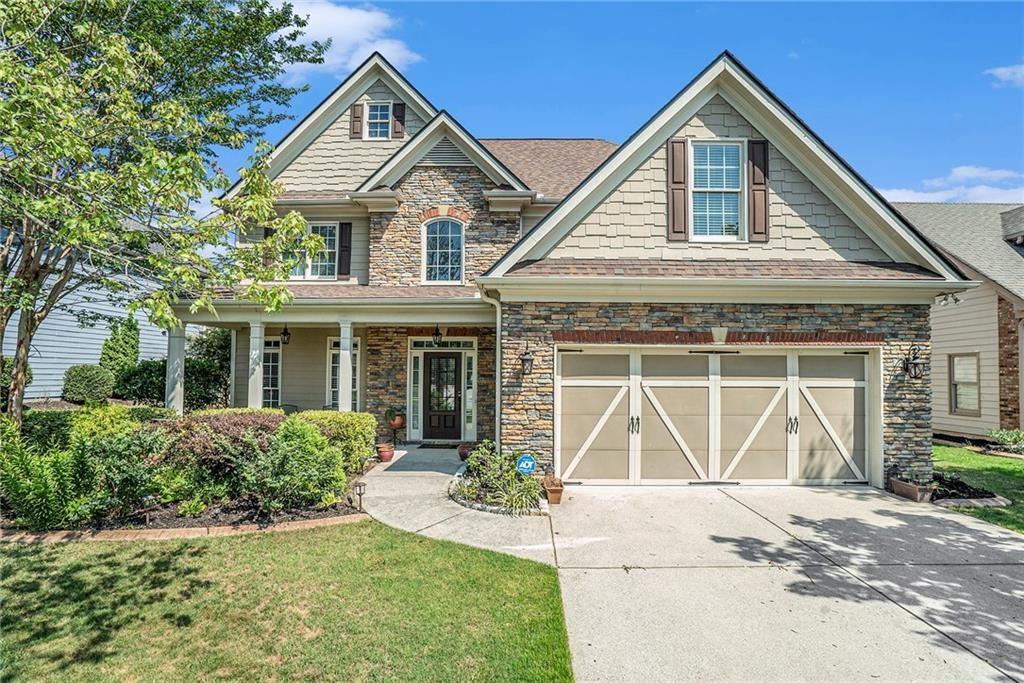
(360, 489)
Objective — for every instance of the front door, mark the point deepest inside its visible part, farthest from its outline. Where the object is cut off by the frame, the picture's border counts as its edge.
(442, 397)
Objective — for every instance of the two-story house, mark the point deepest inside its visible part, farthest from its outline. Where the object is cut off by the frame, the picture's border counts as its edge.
(720, 298)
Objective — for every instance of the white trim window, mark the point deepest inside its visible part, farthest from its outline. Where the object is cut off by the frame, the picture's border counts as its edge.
(324, 264)
(716, 195)
(333, 354)
(378, 121)
(965, 384)
(443, 252)
(272, 372)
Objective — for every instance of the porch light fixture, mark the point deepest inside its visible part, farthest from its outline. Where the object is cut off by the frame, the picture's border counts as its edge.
(912, 364)
(526, 358)
(286, 336)
(437, 336)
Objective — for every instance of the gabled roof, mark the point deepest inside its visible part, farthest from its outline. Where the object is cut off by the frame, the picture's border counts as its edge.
(376, 67)
(727, 77)
(442, 126)
(973, 235)
(551, 166)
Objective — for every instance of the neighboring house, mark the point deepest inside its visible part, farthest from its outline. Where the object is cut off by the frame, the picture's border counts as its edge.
(720, 298)
(61, 342)
(976, 349)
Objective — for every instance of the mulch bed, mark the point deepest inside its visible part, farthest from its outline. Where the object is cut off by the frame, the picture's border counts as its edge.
(951, 486)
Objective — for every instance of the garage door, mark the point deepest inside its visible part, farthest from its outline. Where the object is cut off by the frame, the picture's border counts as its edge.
(665, 417)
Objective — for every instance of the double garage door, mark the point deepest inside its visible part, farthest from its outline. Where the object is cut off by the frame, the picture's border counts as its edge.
(668, 417)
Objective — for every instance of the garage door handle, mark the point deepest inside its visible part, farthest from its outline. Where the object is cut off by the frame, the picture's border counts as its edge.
(792, 425)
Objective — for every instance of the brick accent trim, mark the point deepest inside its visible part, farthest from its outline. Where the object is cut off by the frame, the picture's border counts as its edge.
(443, 210)
(1009, 365)
(733, 337)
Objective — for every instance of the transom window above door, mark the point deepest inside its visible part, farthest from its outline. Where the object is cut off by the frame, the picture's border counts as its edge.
(378, 120)
(717, 194)
(443, 252)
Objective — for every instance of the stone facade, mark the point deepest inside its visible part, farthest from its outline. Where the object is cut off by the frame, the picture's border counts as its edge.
(528, 401)
(387, 372)
(1009, 365)
(396, 239)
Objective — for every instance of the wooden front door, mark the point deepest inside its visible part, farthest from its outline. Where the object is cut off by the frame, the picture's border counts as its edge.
(442, 396)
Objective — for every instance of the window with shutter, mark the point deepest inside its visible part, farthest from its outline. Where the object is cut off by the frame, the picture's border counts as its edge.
(757, 153)
(355, 122)
(398, 120)
(717, 191)
(678, 212)
(344, 251)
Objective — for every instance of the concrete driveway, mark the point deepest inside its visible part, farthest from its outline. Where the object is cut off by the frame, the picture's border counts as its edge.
(785, 584)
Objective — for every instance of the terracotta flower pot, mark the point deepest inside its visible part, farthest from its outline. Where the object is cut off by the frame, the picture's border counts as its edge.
(397, 422)
(385, 451)
(910, 491)
(553, 491)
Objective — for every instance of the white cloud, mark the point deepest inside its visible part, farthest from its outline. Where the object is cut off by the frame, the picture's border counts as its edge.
(972, 174)
(1012, 75)
(793, 54)
(962, 193)
(355, 33)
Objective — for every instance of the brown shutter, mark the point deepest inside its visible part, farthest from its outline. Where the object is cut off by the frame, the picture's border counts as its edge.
(678, 213)
(355, 122)
(344, 251)
(398, 120)
(757, 155)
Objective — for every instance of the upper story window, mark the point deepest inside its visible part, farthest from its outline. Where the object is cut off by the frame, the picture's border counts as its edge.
(322, 265)
(443, 252)
(378, 120)
(717, 191)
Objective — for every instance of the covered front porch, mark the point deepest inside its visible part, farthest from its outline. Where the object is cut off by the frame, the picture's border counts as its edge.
(441, 374)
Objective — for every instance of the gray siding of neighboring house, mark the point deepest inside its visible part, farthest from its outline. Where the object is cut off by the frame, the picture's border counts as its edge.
(61, 342)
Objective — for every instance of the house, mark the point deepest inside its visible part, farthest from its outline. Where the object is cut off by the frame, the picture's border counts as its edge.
(720, 298)
(976, 349)
(51, 353)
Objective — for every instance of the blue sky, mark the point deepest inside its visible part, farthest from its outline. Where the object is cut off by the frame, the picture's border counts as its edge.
(925, 100)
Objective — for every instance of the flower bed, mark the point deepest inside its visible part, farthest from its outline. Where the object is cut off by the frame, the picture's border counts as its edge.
(492, 483)
(114, 466)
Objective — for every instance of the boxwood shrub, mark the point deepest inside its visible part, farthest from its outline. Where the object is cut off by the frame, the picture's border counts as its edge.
(85, 383)
(145, 383)
(353, 433)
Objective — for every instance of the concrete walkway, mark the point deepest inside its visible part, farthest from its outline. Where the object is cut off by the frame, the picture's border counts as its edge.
(752, 583)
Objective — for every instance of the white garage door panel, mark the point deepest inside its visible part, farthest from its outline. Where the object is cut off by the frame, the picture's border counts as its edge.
(642, 417)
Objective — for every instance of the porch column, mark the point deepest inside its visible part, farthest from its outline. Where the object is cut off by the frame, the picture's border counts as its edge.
(174, 381)
(344, 365)
(255, 364)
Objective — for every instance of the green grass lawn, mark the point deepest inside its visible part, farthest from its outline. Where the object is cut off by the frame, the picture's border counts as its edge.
(1004, 476)
(353, 602)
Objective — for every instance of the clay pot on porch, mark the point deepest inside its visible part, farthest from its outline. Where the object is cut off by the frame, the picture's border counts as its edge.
(385, 451)
(394, 419)
(553, 489)
(910, 491)
(464, 451)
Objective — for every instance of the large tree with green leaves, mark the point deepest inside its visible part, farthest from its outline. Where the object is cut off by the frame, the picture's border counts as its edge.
(111, 116)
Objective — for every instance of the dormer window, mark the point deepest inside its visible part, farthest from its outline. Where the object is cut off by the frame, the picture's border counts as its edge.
(717, 191)
(378, 120)
(443, 252)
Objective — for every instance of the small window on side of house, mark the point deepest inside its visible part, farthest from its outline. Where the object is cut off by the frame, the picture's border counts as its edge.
(964, 384)
(378, 120)
(717, 192)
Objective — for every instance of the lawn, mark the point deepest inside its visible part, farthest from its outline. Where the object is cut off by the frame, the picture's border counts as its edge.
(354, 602)
(1004, 476)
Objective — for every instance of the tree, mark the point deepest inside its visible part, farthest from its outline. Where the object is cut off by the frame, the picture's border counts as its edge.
(111, 115)
(120, 349)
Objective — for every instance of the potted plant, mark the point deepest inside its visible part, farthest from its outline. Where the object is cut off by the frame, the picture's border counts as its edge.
(385, 451)
(552, 488)
(464, 451)
(919, 493)
(395, 418)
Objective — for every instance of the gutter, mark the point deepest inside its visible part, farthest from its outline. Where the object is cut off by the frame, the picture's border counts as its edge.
(497, 366)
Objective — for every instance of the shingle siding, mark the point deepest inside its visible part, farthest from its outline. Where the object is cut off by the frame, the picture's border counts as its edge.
(803, 223)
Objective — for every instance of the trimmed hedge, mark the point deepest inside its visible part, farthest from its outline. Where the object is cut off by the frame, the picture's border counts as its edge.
(87, 383)
(218, 442)
(353, 433)
(6, 368)
(145, 383)
(45, 429)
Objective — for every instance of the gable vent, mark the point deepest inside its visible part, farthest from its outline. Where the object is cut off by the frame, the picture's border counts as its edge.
(445, 153)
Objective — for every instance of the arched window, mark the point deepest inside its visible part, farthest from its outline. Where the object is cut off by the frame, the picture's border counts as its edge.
(443, 251)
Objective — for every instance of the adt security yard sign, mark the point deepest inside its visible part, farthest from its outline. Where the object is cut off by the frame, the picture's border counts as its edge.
(526, 464)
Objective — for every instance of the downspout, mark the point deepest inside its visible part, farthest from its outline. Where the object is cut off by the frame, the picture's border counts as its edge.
(497, 365)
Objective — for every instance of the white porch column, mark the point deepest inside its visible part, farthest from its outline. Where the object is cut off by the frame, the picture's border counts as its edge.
(256, 334)
(174, 386)
(344, 365)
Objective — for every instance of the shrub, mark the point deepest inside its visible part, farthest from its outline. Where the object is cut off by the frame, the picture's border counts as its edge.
(85, 383)
(299, 467)
(37, 487)
(119, 466)
(6, 369)
(145, 383)
(1011, 439)
(46, 430)
(353, 433)
(213, 345)
(492, 478)
(193, 507)
(103, 420)
(120, 349)
(216, 442)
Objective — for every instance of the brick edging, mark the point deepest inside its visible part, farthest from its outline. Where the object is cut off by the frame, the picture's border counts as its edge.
(15, 536)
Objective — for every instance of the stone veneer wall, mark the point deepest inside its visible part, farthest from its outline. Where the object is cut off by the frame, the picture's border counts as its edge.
(396, 244)
(528, 401)
(1009, 365)
(387, 375)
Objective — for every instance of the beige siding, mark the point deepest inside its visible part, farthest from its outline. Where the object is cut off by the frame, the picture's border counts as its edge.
(360, 241)
(303, 366)
(966, 327)
(335, 162)
(804, 223)
(530, 220)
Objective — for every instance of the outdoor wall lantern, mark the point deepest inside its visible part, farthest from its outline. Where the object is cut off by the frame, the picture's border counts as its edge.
(526, 358)
(912, 364)
(437, 337)
(286, 336)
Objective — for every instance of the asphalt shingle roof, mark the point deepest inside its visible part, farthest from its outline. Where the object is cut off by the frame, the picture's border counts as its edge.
(972, 234)
(551, 166)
